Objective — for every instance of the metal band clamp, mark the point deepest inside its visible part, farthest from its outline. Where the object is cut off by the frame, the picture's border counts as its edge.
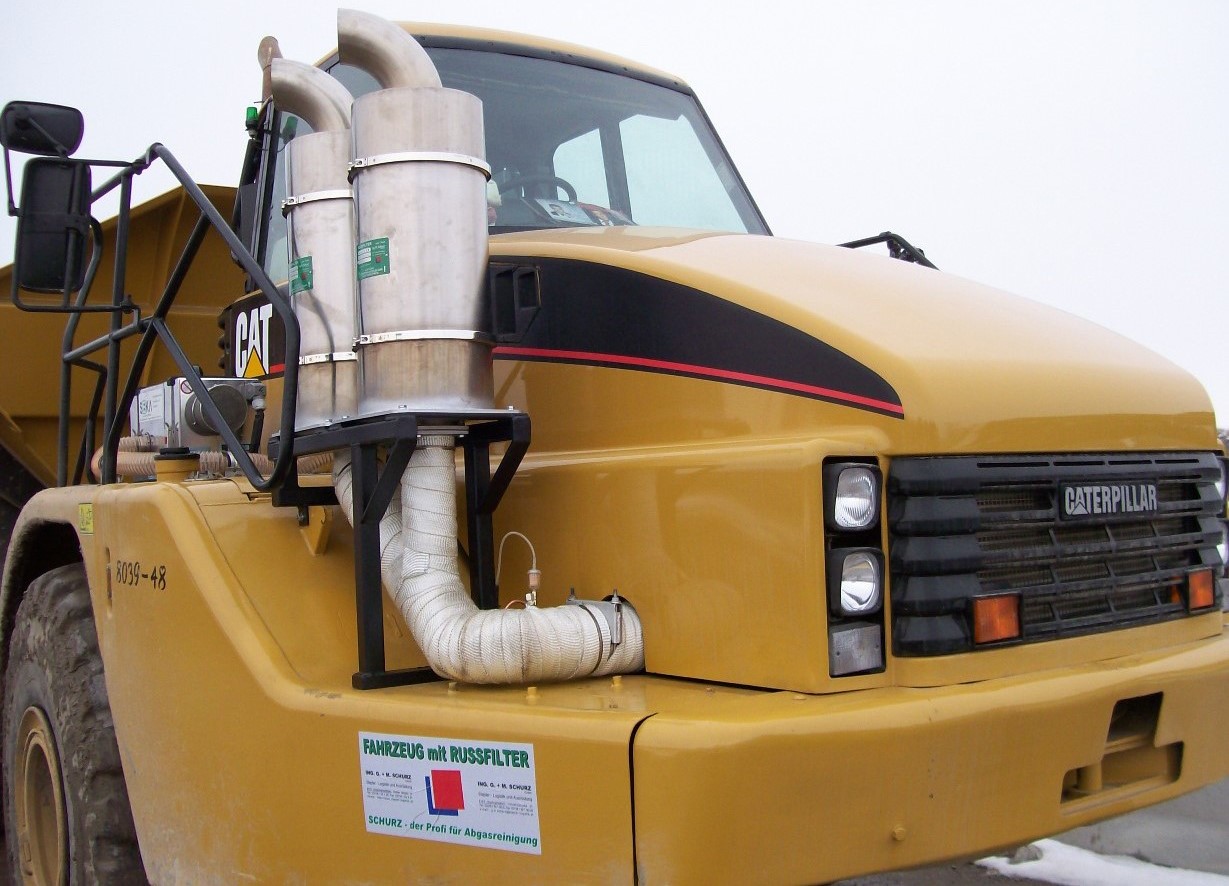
(333, 194)
(422, 335)
(335, 357)
(361, 163)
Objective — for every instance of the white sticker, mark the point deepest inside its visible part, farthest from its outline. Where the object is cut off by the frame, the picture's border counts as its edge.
(476, 793)
(565, 212)
(150, 415)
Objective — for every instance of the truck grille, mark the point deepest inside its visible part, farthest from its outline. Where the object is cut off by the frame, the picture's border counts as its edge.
(968, 526)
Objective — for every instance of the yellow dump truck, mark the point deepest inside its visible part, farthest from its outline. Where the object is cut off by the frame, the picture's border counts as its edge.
(539, 516)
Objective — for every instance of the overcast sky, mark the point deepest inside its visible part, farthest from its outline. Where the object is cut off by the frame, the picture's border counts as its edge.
(1073, 152)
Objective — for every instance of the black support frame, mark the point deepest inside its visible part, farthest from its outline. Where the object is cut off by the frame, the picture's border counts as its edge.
(375, 482)
(380, 448)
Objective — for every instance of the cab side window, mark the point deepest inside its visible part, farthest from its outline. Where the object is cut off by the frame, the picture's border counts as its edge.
(665, 158)
(580, 162)
(274, 256)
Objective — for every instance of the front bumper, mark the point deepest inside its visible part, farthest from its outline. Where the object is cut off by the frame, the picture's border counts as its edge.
(797, 788)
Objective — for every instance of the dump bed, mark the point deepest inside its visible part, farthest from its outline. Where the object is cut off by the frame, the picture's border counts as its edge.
(31, 343)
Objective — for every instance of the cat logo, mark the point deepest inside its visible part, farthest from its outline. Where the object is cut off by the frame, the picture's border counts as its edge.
(251, 343)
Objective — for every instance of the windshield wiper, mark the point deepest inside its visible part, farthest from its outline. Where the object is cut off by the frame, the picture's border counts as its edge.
(898, 247)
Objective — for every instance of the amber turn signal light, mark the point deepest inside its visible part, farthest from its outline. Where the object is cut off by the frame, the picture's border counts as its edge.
(1200, 589)
(996, 618)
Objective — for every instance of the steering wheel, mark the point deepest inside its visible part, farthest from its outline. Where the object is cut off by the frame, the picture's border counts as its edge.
(520, 181)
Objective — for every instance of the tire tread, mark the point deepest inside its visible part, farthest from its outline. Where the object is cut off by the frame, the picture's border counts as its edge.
(54, 636)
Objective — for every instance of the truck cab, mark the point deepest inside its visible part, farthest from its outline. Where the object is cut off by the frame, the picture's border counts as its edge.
(921, 569)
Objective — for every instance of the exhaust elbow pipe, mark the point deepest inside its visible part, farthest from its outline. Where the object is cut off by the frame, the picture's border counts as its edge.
(312, 94)
(320, 241)
(383, 50)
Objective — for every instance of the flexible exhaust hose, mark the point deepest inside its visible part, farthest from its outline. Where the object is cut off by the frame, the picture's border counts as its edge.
(135, 458)
(465, 643)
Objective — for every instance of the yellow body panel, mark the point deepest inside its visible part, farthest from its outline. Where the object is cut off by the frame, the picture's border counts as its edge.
(238, 728)
(563, 50)
(240, 744)
(977, 369)
(707, 494)
(791, 788)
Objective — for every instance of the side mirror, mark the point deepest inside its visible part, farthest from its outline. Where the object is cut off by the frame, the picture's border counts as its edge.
(53, 225)
(40, 128)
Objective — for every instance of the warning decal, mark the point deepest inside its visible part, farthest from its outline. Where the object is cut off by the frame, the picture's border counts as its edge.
(451, 790)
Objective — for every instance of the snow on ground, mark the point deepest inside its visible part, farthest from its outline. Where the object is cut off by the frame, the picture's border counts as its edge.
(1055, 862)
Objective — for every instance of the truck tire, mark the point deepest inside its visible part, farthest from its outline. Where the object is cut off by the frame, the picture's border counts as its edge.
(66, 812)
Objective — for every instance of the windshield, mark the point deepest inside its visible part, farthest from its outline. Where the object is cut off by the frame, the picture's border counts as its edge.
(570, 145)
(574, 146)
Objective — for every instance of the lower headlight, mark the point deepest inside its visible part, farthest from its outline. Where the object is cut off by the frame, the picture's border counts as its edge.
(855, 581)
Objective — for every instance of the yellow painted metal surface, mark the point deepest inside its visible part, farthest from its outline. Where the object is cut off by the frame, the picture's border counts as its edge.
(239, 730)
(977, 369)
(702, 501)
(563, 50)
(229, 646)
(791, 788)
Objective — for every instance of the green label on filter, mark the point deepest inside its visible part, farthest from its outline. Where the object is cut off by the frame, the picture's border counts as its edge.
(372, 258)
(301, 275)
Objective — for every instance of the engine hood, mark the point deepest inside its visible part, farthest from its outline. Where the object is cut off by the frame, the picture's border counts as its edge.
(972, 368)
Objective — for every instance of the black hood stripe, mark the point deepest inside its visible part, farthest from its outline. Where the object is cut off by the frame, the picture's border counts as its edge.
(598, 315)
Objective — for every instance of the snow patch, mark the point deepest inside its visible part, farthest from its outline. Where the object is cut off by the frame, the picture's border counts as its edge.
(1055, 862)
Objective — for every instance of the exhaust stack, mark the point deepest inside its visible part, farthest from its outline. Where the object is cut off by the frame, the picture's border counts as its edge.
(420, 198)
(320, 239)
(419, 181)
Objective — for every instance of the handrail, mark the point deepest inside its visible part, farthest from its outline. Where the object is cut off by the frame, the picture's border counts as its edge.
(117, 400)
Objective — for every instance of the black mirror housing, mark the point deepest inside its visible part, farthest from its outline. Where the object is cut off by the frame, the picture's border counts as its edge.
(53, 225)
(40, 128)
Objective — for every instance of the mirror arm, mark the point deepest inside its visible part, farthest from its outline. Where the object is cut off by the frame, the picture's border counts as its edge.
(126, 168)
(30, 121)
(8, 182)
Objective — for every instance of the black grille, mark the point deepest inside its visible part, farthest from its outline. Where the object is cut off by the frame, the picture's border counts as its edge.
(967, 526)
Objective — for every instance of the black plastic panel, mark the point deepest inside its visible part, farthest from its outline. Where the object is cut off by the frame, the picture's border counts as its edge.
(962, 527)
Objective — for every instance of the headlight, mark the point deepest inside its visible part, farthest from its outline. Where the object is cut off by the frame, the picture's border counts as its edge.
(1221, 480)
(1223, 547)
(851, 496)
(855, 581)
